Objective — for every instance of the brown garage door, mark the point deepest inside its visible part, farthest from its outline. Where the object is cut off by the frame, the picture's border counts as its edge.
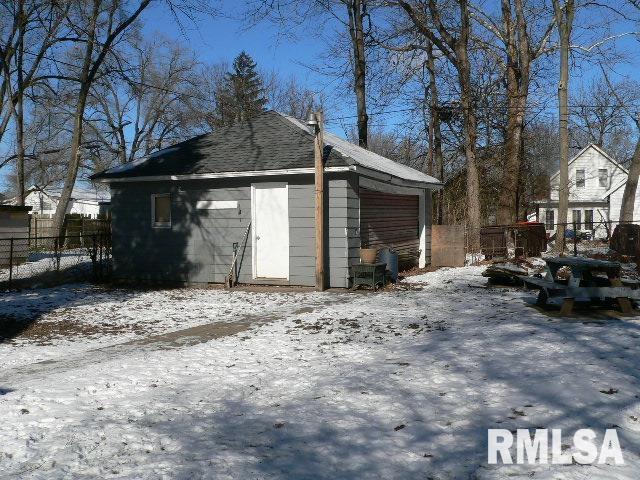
(389, 220)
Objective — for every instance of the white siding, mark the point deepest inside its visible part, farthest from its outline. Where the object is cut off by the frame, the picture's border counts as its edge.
(38, 201)
(600, 214)
(591, 160)
(616, 204)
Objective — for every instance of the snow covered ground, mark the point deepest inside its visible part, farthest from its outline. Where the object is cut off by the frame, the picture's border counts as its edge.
(41, 262)
(399, 384)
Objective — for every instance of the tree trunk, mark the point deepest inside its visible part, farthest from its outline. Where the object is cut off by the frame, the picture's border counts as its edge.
(470, 128)
(564, 19)
(88, 73)
(507, 207)
(19, 109)
(20, 148)
(76, 140)
(517, 78)
(74, 162)
(435, 132)
(357, 10)
(630, 188)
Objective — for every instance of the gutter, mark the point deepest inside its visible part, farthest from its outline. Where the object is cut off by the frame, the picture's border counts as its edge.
(260, 173)
(208, 176)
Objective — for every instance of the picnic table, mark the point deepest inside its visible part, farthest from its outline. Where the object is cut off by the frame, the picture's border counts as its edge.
(596, 280)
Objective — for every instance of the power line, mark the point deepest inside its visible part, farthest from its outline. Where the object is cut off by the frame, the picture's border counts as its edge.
(450, 104)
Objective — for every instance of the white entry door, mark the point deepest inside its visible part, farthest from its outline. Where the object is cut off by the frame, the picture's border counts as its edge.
(270, 220)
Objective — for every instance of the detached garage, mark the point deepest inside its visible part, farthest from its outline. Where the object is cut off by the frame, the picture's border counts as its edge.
(179, 215)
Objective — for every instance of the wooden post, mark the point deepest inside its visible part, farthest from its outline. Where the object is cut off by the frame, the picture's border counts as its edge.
(321, 284)
(10, 261)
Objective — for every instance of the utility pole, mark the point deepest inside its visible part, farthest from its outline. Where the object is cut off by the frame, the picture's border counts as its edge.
(564, 21)
(315, 121)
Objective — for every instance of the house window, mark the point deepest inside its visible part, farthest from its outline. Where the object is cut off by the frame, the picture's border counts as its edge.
(603, 177)
(549, 220)
(588, 219)
(161, 210)
(46, 206)
(577, 219)
(580, 179)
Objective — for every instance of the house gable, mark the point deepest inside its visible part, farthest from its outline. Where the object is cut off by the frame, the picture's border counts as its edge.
(584, 175)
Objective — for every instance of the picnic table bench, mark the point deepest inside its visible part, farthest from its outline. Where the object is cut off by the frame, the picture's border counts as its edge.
(584, 282)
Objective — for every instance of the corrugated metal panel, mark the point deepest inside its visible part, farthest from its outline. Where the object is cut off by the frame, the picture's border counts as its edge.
(390, 220)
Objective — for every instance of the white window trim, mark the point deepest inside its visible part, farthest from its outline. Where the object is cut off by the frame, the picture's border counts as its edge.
(584, 178)
(155, 224)
(553, 219)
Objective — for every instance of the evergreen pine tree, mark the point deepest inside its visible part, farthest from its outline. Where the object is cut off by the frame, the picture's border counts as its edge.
(242, 95)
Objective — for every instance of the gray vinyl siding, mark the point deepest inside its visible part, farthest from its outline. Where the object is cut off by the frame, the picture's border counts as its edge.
(428, 221)
(353, 221)
(302, 233)
(198, 246)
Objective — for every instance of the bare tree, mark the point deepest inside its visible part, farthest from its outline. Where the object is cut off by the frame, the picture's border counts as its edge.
(36, 23)
(357, 12)
(151, 97)
(99, 25)
(452, 38)
(600, 116)
(289, 97)
(524, 39)
(631, 187)
(352, 15)
(626, 95)
(436, 158)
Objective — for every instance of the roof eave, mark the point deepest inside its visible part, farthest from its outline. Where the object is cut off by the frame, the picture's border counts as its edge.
(259, 173)
(395, 180)
(210, 176)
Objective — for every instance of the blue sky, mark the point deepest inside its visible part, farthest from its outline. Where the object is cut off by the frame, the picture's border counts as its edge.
(222, 37)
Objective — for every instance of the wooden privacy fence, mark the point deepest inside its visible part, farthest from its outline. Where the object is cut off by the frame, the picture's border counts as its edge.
(526, 239)
(76, 226)
(626, 239)
(448, 245)
(14, 223)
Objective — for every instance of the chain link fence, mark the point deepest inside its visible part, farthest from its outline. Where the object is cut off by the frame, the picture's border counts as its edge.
(27, 262)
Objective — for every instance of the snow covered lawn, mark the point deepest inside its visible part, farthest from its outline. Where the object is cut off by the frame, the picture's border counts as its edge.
(42, 262)
(401, 384)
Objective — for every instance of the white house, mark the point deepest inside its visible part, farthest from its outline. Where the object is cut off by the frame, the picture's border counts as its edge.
(84, 201)
(596, 186)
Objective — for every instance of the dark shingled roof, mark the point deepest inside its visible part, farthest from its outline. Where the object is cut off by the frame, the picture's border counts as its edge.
(270, 141)
(267, 142)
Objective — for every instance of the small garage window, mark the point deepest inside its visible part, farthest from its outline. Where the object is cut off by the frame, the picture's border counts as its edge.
(161, 210)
